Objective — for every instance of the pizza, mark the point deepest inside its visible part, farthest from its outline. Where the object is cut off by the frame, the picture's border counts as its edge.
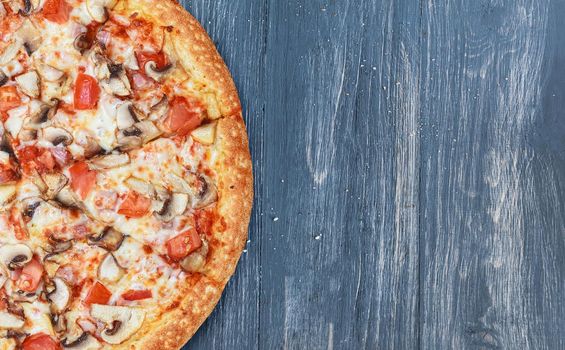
(125, 175)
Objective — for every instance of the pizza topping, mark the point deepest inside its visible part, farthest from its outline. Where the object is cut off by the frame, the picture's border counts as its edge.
(15, 256)
(173, 206)
(98, 294)
(184, 116)
(156, 73)
(138, 134)
(40, 341)
(110, 161)
(10, 52)
(56, 11)
(86, 92)
(30, 276)
(83, 179)
(49, 73)
(135, 205)
(109, 239)
(121, 322)
(60, 296)
(206, 192)
(205, 134)
(134, 295)
(29, 83)
(182, 245)
(110, 270)
(117, 84)
(10, 320)
(126, 117)
(196, 260)
(56, 136)
(84, 342)
(29, 36)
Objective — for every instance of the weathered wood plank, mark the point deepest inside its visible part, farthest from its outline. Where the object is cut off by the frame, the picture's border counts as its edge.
(340, 245)
(492, 204)
(238, 29)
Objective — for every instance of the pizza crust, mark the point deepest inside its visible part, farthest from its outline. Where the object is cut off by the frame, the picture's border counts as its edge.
(199, 56)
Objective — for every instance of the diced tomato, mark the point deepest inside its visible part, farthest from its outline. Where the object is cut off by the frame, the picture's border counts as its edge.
(83, 179)
(35, 158)
(40, 341)
(98, 294)
(132, 295)
(183, 244)
(8, 173)
(184, 116)
(30, 276)
(9, 98)
(144, 56)
(56, 11)
(87, 92)
(135, 205)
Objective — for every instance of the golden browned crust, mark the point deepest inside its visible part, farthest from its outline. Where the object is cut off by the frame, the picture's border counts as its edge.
(234, 177)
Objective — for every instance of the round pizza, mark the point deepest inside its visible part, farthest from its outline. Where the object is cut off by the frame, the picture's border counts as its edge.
(125, 175)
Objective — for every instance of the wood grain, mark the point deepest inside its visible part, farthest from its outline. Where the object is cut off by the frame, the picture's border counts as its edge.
(410, 168)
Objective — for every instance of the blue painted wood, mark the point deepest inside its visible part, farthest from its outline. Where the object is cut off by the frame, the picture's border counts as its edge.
(409, 165)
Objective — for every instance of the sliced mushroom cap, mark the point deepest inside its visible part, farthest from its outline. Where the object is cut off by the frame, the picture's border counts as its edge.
(110, 161)
(29, 35)
(149, 131)
(3, 78)
(174, 206)
(178, 184)
(155, 73)
(68, 198)
(49, 73)
(56, 136)
(57, 246)
(140, 186)
(14, 256)
(109, 239)
(84, 342)
(97, 10)
(124, 117)
(11, 321)
(127, 143)
(207, 193)
(91, 148)
(196, 261)
(54, 183)
(29, 83)
(160, 109)
(60, 296)
(110, 270)
(116, 86)
(121, 322)
(29, 205)
(10, 52)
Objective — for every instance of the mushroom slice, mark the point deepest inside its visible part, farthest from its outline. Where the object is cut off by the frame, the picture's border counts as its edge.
(116, 86)
(121, 322)
(155, 73)
(96, 10)
(160, 109)
(206, 194)
(140, 186)
(110, 161)
(206, 134)
(91, 148)
(60, 296)
(84, 342)
(58, 245)
(49, 73)
(124, 117)
(54, 182)
(29, 205)
(3, 78)
(56, 136)
(29, 83)
(10, 321)
(14, 256)
(10, 52)
(178, 184)
(148, 130)
(173, 207)
(129, 139)
(82, 43)
(109, 239)
(29, 35)
(44, 114)
(67, 198)
(109, 269)
(196, 261)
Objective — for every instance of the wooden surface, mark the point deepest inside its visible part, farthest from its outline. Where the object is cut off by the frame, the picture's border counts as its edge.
(410, 170)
